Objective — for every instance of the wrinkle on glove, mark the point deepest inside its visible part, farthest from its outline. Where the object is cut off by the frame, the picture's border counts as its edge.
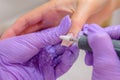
(37, 56)
(105, 62)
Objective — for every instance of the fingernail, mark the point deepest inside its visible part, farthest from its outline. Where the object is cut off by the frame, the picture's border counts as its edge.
(66, 41)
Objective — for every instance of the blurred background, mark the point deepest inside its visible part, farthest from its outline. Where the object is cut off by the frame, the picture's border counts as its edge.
(10, 10)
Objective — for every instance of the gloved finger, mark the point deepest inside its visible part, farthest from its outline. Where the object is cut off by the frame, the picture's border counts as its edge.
(113, 31)
(22, 48)
(89, 58)
(89, 55)
(101, 44)
(67, 59)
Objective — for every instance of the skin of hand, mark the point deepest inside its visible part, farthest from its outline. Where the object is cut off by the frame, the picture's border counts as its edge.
(51, 13)
(37, 56)
(103, 58)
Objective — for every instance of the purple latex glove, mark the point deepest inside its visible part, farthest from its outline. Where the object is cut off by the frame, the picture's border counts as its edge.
(37, 56)
(103, 58)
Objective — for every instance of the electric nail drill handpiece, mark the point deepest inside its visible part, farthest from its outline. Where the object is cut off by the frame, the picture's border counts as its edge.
(83, 44)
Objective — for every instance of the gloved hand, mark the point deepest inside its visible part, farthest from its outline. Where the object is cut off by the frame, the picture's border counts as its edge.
(51, 13)
(37, 56)
(103, 58)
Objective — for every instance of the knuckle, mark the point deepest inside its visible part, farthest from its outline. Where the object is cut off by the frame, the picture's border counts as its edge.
(99, 36)
(25, 20)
